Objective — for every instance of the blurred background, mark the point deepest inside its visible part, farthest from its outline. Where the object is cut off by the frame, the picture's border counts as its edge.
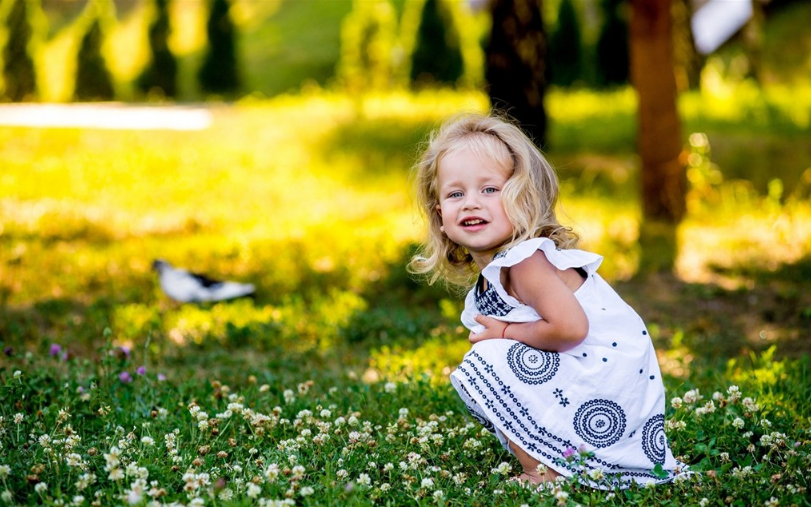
(680, 130)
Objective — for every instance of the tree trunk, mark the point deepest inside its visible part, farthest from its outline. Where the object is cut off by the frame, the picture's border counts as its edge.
(516, 64)
(659, 140)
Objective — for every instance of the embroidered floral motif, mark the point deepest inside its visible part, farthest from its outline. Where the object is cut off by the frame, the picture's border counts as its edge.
(561, 399)
(654, 441)
(599, 422)
(532, 366)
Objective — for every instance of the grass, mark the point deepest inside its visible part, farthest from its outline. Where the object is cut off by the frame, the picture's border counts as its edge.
(307, 197)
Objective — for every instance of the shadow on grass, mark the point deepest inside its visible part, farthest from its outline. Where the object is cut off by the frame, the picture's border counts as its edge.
(773, 307)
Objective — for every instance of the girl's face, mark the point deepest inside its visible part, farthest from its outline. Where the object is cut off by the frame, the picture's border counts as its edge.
(470, 204)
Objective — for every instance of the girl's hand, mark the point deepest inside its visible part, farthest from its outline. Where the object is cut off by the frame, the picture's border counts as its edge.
(493, 328)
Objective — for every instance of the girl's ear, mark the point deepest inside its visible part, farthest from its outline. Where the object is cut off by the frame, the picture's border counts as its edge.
(439, 210)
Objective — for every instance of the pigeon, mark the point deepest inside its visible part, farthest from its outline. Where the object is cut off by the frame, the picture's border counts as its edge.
(187, 287)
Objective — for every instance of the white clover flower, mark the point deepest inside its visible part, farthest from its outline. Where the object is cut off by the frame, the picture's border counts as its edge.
(197, 502)
(307, 491)
(40, 487)
(253, 490)
(18, 374)
(738, 423)
(5, 470)
(750, 405)
(703, 502)
(298, 472)
(116, 474)
(427, 483)
(561, 496)
(226, 494)
(148, 441)
(364, 479)
(388, 467)
(596, 474)
(692, 396)
(7, 496)
(676, 402)
(341, 474)
(73, 460)
(18, 418)
(439, 494)
(77, 500)
(272, 472)
(503, 469)
(325, 414)
(385, 486)
(766, 423)
(724, 457)
(772, 502)
(734, 393)
(289, 396)
(390, 387)
(403, 412)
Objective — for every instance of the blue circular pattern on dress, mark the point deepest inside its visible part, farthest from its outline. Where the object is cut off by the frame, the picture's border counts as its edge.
(599, 422)
(654, 441)
(532, 366)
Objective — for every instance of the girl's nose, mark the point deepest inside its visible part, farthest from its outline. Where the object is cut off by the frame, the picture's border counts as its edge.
(471, 202)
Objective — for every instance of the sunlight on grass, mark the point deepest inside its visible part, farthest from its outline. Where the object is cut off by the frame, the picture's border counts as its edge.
(307, 197)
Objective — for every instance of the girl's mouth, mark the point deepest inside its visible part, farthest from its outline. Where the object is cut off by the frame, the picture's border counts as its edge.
(473, 221)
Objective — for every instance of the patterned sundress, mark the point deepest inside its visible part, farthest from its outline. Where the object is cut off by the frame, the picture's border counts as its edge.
(604, 396)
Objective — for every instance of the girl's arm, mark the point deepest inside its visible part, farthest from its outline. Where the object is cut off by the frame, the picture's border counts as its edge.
(539, 284)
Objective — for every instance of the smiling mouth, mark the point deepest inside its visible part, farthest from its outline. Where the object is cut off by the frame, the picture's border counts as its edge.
(476, 221)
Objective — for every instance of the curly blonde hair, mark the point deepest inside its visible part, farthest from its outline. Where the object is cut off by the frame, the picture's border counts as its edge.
(529, 196)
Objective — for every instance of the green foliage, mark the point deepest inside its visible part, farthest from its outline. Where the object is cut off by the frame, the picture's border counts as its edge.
(368, 45)
(613, 66)
(219, 72)
(566, 47)
(160, 75)
(19, 75)
(437, 57)
(93, 79)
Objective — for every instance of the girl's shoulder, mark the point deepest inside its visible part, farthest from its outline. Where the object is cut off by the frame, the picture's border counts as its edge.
(559, 257)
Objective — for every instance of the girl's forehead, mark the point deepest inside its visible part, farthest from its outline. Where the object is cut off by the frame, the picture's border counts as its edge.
(483, 146)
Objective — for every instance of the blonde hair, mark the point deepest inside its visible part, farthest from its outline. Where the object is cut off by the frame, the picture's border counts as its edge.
(529, 196)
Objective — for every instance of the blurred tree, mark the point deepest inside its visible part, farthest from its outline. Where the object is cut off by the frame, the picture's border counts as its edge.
(160, 75)
(437, 57)
(566, 47)
(18, 66)
(659, 140)
(612, 44)
(220, 71)
(93, 80)
(515, 64)
(687, 61)
(367, 46)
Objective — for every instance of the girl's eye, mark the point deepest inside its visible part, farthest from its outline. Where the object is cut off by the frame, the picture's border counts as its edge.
(490, 190)
(455, 194)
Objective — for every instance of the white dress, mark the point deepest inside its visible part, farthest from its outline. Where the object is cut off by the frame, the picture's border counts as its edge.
(604, 396)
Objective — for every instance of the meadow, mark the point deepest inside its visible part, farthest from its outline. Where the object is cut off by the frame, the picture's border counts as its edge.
(330, 386)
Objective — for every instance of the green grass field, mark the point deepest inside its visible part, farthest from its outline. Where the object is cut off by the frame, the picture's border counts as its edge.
(330, 387)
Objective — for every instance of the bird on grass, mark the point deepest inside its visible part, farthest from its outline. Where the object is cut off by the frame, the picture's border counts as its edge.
(187, 287)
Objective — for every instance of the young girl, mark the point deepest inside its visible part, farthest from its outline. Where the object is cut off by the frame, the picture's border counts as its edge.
(559, 361)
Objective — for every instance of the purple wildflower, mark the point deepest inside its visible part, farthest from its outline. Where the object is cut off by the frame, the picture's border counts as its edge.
(141, 370)
(161, 377)
(569, 452)
(55, 349)
(125, 377)
(9, 351)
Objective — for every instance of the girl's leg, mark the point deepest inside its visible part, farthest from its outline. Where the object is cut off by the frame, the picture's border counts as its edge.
(530, 467)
